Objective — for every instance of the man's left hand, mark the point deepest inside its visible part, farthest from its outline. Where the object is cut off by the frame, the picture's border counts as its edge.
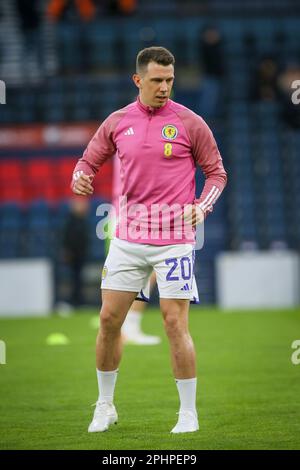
(193, 215)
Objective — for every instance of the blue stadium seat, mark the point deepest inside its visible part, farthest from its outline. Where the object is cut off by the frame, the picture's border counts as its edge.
(11, 230)
(39, 231)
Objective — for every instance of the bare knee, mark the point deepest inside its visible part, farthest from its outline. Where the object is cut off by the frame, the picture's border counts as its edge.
(172, 322)
(110, 321)
(175, 317)
(172, 326)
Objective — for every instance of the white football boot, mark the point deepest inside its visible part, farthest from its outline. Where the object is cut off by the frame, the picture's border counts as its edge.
(187, 422)
(140, 339)
(105, 414)
(132, 332)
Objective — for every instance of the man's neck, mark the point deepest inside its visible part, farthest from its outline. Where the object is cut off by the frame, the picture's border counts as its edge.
(147, 105)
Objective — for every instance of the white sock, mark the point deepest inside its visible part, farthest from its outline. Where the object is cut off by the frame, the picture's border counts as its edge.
(132, 323)
(106, 384)
(187, 394)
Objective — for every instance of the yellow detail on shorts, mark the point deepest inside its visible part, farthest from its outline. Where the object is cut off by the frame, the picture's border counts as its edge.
(168, 150)
(104, 272)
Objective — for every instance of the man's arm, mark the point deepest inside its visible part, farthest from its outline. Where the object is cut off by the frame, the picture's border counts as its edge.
(207, 156)
(100, 149)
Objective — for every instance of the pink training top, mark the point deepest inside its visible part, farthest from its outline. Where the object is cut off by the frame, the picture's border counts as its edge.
(158, 150)
(116, 183)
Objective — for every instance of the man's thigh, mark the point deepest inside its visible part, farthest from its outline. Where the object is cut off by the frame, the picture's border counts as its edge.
(125, 268)
(174, 267)
(117, 303)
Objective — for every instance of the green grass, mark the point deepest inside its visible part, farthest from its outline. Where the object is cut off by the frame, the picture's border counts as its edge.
(248, 388)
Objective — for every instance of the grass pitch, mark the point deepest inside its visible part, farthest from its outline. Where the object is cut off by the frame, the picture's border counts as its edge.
(248, 388)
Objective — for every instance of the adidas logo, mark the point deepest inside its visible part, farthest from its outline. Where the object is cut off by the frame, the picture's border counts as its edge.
(185, 287)
(129, 131)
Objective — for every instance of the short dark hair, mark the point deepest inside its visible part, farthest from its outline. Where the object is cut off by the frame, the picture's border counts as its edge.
(160, 55)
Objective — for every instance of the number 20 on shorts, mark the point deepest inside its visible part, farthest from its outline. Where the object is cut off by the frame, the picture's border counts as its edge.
(185, 268)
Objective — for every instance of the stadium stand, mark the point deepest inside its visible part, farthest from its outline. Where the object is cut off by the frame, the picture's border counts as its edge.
(87, 77)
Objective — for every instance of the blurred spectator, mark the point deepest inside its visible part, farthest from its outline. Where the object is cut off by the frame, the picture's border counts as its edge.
(264, 86)
(75, 244)
(73, 18)
(1, 40)
(290, 112)
(68, 9)
(211, 57)
(32, 59)
(122, 7)
(211, 52)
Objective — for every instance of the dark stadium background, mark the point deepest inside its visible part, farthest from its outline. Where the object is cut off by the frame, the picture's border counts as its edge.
(64, 71)
(73, 72)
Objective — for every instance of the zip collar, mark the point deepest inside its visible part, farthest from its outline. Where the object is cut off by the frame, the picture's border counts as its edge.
(149, 109)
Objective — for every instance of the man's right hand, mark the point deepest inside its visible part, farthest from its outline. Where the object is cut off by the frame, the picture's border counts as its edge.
(82, 184)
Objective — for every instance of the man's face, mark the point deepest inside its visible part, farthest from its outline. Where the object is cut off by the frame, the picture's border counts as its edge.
(155, 84)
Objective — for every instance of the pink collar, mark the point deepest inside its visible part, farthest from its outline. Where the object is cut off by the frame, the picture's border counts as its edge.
(149, 109)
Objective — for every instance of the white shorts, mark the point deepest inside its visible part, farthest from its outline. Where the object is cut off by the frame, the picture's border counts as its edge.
(128, 267)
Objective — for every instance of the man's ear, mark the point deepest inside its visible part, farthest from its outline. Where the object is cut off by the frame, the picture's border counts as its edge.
(137, 80)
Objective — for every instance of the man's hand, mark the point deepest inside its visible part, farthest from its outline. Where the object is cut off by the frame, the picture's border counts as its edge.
(82, 184)
(193, 215)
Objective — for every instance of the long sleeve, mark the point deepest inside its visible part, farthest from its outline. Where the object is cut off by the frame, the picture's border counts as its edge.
(100, 148)
(207, 156)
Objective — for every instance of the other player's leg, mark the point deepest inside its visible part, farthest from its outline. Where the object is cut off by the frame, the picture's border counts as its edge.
(132, 332)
